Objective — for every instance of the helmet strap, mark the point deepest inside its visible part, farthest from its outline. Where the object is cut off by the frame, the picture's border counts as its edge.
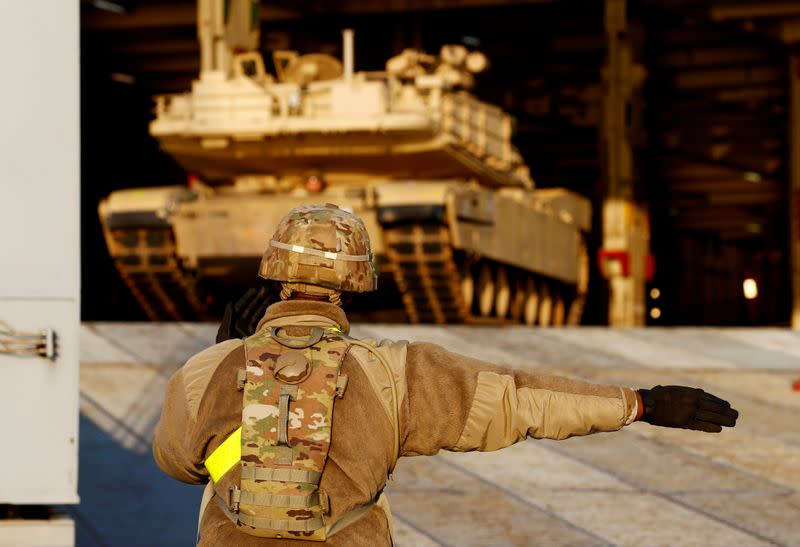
(287, 289)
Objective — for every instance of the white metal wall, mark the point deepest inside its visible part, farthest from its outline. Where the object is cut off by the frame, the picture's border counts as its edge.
(39, 253)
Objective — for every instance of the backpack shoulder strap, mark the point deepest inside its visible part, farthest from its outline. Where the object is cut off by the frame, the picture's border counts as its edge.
(385, 369)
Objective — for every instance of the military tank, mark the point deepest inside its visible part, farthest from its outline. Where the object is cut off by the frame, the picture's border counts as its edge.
(453, 213)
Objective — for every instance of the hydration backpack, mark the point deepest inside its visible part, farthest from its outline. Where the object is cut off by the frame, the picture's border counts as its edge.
(290, 385)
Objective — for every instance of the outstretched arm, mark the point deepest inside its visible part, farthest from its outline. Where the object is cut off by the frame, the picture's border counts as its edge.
(458, 403)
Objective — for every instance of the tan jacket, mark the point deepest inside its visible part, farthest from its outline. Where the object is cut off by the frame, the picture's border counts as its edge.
(444, 401)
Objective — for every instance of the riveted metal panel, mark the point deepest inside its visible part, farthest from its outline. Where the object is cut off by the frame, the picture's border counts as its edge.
(39, 278)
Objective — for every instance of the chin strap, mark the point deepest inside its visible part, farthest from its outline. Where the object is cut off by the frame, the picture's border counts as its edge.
(334, 296)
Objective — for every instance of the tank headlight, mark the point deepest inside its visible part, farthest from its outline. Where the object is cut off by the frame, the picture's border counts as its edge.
(750, 288)
(314, 184)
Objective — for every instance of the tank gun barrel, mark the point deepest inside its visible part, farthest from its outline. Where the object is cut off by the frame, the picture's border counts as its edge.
(224, 28)
(348, 57)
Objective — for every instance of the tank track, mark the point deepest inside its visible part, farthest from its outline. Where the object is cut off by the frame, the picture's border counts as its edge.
(426, 273)
(429, 276)
(147, 262)
(426, 270)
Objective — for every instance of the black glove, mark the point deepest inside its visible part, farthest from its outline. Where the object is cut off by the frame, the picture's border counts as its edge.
(687, 408)
(241, 318)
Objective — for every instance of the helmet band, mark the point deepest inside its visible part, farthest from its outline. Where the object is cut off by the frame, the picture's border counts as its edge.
(317, 252)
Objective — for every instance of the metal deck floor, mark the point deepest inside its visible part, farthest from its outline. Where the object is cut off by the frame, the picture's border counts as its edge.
(641, 486)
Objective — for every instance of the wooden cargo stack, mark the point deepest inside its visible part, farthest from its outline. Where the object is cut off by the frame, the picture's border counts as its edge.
(718, 107)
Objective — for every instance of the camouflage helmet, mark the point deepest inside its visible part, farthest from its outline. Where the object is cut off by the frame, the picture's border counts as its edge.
(321, 245)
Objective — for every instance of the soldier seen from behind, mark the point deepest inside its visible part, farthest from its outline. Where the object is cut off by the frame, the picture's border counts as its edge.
(296, 426)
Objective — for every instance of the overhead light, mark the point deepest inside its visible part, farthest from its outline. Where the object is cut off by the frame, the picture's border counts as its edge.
(123, 78)
(750, 288)
(752, 176)
(655, 313)
(472, 41)
(109, 6)
(655, 293)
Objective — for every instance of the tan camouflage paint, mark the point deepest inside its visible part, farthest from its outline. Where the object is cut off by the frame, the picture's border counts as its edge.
(309, 424)
(325, 228)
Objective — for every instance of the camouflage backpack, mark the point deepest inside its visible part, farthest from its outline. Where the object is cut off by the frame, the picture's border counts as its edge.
(289, 385)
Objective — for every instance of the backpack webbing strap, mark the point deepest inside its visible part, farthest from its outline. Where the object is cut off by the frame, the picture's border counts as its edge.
(273, 500)
(341, 385)
(288, 525)
(288, 394)
(349, 518)
(208, 494)
(346, 520)
(250, 472)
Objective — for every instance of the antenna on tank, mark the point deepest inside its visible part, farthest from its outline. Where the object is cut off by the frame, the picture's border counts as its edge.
(347, 49)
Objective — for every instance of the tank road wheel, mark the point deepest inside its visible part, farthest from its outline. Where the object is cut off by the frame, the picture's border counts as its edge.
(579, 301)
(517, 298)
(530, 308)
(467, 285)
(545, 305)
(502, 299)
(486, 290)
(559, 308)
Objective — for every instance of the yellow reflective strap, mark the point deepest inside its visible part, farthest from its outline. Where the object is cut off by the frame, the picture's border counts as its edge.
(225, 456)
